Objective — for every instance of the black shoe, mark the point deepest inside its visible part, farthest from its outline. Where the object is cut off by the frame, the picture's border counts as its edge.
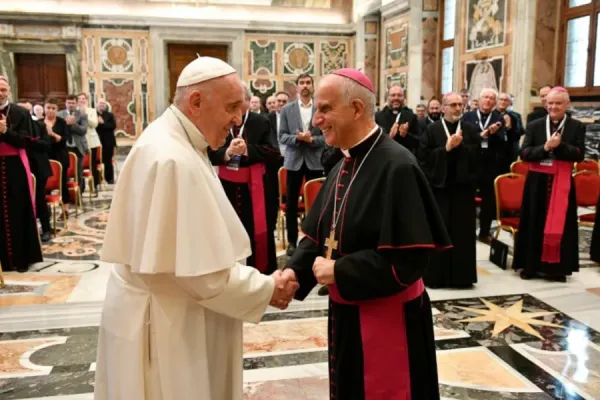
(290, 250)
(46, 237)
(323, 291)
(527, 275)
(485, 239)
(22, 269)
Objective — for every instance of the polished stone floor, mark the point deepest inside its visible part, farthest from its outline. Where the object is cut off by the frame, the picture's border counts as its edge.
(504, 339)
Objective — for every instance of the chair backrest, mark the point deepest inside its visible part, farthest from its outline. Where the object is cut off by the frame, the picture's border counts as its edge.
(311, 190)
(519, 167)
(509, 193)
(282, 176)
(99, 155)
(55, 181)
(72, 171)
(588, 165)
(587, 188)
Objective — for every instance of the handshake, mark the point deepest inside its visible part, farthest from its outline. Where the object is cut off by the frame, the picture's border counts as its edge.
(285, 288)
(286, 283)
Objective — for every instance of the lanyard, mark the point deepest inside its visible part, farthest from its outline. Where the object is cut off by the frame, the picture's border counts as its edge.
(243, 125)
(446, 128)
(560, 128)
(487, 121)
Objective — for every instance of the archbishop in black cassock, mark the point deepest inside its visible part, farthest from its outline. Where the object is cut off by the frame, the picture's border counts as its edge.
(449, 160)
(395, 113)
(381, 343)
(492, 157)
(547, 240)
(19, 242)
(248, 188)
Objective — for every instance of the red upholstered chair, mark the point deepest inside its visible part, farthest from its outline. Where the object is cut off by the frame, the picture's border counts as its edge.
(588, 165)
(100, 166)
(519, 167)
(587, 191)
(88, 176)
(54, 184)
(282, 175)
(311, 190)
(509, 197)
(73, 183)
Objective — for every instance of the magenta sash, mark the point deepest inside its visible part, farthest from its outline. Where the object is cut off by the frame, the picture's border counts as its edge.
(385, 345)
(557, 208)
(8, 150)
(253, 176)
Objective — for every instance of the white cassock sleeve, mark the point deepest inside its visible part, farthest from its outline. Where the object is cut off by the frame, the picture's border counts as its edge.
(240, 292)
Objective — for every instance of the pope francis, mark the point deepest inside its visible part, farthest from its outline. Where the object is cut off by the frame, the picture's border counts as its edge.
(171, 325)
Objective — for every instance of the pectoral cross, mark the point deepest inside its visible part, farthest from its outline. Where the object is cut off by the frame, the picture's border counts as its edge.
(331, 244)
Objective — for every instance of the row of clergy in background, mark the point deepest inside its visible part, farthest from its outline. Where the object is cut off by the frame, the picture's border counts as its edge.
(459, 170)
(32, 137)
(389, 202)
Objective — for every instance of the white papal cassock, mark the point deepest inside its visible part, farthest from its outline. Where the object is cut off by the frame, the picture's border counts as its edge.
(172, 321)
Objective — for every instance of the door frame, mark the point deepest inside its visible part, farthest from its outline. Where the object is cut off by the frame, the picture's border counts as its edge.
(71, 50)
(160, 37)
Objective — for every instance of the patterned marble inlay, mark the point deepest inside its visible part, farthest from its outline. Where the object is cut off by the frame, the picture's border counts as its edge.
(34, 288)
(298, 58)
(316, 388)
(278, 336)
(333, 56)
(15, 357)
(120, 95)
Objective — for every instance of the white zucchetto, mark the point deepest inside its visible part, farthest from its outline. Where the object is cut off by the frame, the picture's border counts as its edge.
(203, 69)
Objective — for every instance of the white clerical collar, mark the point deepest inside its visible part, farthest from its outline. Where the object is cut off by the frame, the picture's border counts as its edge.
(302, 105)
(196, 137)
(347, 152)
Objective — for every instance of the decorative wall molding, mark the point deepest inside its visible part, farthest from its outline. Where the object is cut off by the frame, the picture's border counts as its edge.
(159, 38)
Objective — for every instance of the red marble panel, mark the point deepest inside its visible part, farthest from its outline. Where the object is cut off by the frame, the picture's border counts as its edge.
(119, 93)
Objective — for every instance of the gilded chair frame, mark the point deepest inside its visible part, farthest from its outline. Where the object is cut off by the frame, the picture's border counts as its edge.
(54, 204)
(76, 189)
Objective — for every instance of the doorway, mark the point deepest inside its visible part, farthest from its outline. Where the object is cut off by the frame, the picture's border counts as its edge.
(40, 76)
(181, 54)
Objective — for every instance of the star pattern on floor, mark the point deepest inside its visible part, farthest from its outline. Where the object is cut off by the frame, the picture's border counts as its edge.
(504, 318)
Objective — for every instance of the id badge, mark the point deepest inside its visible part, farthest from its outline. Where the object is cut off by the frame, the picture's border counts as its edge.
(234, 163)
(484, 144)
(546, 162)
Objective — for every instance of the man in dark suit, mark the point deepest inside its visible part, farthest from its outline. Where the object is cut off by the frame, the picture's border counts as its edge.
(37, 150)
(540, 112)
(281, 99)
(106, 132)
(19, 244)
(399, 121)
(304, 146)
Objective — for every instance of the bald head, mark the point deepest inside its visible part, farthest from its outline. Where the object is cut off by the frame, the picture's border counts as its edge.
(255, 104)
(344, 110)
(557, 102)
(271, 103)
(452, 106)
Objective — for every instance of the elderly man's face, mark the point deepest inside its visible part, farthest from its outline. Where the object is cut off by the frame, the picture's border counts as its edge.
(503, 102)
(255, 104)
(332, 115)
(38, 111)
(271, 103)
(420, 112)
(282, 100)
(4, 91)
(218, 108)
(101, 106)
(557, 103)
(453, 107)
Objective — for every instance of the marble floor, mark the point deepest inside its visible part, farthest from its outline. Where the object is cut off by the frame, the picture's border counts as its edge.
(504, 339)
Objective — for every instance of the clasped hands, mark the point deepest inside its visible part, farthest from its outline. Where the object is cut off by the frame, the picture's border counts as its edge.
(398, 128)
(70, 120)
(286, 282)
(553, 142)
(454, 140)
(3, 125)
(237, 147)
(305, 136)
(491, 130)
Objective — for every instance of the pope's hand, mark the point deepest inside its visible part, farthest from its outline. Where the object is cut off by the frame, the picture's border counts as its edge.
(285, 288)
(323, 269)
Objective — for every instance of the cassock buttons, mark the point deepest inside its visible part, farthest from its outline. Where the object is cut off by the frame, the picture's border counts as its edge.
(340, 185)
(344, 172)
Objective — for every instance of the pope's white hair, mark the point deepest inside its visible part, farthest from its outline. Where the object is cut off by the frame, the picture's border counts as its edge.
(490, 90)
(352, 90)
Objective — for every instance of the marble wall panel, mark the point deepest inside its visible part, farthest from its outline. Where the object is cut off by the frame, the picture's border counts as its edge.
(371, 51)
(116, 67)
(487, 39)
(394, 50)
(430, 59)
(272, 62)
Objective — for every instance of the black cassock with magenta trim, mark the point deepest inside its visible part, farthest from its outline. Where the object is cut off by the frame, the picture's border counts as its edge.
(381, 343)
